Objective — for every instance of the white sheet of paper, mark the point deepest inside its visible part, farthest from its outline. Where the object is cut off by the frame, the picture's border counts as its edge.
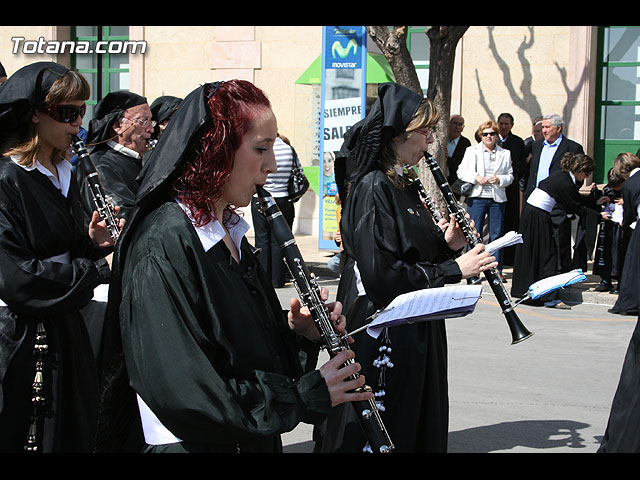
(427, 304)
(508, 239)
(616, 215)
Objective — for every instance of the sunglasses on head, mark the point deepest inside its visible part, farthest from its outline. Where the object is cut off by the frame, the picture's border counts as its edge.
(64, 113)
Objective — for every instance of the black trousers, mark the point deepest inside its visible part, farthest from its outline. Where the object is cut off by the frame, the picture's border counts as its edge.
(562, 235)
(270, 256)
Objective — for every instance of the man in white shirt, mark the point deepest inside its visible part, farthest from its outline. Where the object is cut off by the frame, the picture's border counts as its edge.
(546, 155)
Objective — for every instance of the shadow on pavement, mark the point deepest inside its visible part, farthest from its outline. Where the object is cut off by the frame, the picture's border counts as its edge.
(534, 434)
(302, 447)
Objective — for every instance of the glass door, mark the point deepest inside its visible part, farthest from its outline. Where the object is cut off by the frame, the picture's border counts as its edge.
(617, 122)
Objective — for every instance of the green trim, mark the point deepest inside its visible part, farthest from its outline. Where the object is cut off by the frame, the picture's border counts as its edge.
(105, 69)
(313, 175)
(311, 75)
(606, 150)
(378, 71)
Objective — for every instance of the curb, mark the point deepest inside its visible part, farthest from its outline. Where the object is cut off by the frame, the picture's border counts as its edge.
(583, 292)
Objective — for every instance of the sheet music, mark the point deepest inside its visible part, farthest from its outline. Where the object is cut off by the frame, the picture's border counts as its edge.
(427, 304)
(508, 239)
(549, 284)
(616, 213)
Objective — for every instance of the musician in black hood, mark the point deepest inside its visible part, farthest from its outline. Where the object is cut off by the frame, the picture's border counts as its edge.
(117, 140)
(49, 267)
(393, 246)
(162, 109)
(207, 361)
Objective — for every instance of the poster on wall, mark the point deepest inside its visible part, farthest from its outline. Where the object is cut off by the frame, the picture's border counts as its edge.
(342, 104)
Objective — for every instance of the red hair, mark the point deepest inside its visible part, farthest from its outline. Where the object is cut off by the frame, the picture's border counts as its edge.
(232, 108)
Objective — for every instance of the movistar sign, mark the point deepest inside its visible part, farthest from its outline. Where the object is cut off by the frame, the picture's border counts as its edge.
(343, 45)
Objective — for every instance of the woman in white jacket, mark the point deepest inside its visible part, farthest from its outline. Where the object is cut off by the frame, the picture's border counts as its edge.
(488, 167)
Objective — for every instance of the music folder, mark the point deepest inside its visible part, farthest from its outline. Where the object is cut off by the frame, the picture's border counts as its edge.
(425, 305)
(555, 282)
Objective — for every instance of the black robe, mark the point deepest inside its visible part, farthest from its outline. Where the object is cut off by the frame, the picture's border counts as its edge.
(206, 342)
(537, 256)
(621, 435)
(611, 245)
(397, 249)
(627, 300)
(515, 145)
(118, 173)
(36, 223)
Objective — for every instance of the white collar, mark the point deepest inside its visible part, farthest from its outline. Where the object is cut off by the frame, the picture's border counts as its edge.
(64, 173)
(485, 149)
(121, 148)
(555, 143)
(211, 233)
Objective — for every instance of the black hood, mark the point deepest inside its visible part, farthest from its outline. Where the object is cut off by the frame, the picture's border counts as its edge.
(25, 90)
(108, 111)
(388, 117)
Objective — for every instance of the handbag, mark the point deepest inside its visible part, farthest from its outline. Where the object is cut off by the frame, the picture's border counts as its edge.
(298, 182)
(461, 188)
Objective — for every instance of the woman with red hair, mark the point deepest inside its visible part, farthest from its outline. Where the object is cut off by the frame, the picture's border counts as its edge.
(211, 361)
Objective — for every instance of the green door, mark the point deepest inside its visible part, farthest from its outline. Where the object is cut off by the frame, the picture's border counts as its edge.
(617, 114)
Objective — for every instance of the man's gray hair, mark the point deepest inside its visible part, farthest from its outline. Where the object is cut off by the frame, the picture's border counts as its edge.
(555, 119)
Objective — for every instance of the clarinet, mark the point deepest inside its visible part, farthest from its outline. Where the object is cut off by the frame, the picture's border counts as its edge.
(425, 197)
(518, 331)
(151, 144)
(309, 293)
(104, 204)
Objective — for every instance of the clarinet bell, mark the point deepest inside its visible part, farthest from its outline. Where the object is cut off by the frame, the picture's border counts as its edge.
(519, 332)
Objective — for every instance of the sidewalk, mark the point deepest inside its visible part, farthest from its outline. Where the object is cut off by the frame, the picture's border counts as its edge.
(583, 292)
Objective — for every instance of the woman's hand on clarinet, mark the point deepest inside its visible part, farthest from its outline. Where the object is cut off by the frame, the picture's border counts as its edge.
(453, 234)
(476, 261)
(98, 231)
(336, 375)
(301, 321)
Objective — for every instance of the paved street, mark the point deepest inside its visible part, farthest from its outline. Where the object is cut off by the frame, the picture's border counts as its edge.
(550, 393)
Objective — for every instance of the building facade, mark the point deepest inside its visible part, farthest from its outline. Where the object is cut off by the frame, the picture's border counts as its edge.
(587, 74)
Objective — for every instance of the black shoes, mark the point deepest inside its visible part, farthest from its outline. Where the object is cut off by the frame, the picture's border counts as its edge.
(604, 286)
(630, 313)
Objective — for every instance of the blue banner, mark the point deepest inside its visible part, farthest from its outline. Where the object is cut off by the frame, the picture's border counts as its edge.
(343, 100)
(343, 47)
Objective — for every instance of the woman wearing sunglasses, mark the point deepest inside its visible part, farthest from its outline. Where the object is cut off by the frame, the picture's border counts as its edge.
(49, 267)
(488, 167)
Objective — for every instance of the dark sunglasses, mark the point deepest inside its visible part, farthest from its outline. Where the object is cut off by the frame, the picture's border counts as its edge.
(486, 134)
(64, 113)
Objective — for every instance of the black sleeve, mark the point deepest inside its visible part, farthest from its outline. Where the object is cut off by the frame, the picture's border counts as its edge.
(31, 285)
(162, 317)
(377, 243)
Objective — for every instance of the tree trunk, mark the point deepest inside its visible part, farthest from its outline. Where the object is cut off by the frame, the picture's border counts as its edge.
(443, 41)
(393, 45)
